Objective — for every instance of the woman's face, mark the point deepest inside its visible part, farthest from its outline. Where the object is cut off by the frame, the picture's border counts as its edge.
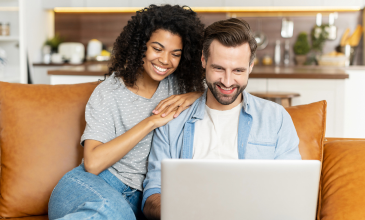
(163, 54)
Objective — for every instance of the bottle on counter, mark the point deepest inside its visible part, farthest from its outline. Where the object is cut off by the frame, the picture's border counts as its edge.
(287, 53)
(317, 28)
(46, 52)
(331, 28)
(277, 54)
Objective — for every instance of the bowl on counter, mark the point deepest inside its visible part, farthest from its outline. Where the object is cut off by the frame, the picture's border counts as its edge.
(68, 50)
(326, 60)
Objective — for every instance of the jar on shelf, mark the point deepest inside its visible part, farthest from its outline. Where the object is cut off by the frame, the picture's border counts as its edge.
(5, 29)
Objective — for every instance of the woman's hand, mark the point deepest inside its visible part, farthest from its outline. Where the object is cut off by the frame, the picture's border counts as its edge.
(178, 102)
(159, 121)
(99, 156)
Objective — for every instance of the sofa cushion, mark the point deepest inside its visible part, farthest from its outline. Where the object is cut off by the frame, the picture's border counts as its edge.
(310, 123)
(343, 185)
(40, 129)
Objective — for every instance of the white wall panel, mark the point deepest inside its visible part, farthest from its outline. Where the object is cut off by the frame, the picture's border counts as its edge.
(247, 3)
(343, 3)
(107, 3)
(145, 3)
(77, 3)
(201, 3)
(297, 3)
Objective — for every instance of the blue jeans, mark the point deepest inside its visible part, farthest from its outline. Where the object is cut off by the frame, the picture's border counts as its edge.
(82, 195)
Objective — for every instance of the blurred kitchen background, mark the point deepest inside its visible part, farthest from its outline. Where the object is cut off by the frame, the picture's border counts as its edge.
(308, 50)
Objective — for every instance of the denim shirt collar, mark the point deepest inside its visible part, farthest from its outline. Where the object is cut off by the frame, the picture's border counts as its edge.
(244, 127)
(200, 109)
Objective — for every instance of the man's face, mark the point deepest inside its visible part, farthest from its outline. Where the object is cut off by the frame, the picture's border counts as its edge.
(227, 70)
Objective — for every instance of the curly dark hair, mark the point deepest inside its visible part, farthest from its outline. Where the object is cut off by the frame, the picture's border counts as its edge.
(130, 46)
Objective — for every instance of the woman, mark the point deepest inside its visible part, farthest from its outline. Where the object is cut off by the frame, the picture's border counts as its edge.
(156, 56)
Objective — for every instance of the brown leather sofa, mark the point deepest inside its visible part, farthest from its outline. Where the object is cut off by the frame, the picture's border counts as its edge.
(40, 128)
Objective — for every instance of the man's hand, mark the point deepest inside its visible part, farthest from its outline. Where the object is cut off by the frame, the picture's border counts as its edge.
(152, 207)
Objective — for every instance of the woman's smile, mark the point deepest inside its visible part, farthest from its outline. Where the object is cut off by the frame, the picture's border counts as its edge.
(160, 70)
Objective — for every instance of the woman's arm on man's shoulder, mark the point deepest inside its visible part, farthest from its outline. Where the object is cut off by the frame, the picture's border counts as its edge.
(181, 102)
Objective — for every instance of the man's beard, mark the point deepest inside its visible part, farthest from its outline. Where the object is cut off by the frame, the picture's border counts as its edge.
(223, 98)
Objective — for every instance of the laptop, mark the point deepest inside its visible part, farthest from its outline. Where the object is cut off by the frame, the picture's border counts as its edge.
(239, 189)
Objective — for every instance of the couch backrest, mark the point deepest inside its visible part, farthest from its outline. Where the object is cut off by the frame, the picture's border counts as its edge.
(40, 130)
(310, 123)
(343, 181)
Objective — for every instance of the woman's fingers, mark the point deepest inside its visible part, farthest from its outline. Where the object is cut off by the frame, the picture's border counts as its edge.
(164, 103)
(173, 106)
(182, 107)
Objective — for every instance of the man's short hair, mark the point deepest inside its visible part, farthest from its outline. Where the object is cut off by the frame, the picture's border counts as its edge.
(232, 32)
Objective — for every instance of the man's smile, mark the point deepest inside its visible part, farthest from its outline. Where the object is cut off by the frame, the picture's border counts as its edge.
(226, 90)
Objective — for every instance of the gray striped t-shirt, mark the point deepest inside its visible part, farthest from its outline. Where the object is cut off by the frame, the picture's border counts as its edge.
(111, 111)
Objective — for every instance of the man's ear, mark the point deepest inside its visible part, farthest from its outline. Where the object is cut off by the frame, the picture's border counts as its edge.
(204, 64)
(251, 67)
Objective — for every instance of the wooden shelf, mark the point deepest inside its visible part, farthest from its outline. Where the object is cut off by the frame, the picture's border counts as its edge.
(9, 38)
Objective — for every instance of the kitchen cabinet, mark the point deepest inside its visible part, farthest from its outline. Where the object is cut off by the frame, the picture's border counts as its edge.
(74, 79)
(313, 90)
(50, 4)
(257, 85)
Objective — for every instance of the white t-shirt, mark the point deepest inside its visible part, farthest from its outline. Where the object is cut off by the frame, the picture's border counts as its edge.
(215, 136)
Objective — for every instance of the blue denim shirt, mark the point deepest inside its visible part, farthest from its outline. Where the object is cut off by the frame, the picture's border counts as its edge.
(265, 131)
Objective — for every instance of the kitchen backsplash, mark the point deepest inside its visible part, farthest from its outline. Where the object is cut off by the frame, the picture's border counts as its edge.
(82, 27)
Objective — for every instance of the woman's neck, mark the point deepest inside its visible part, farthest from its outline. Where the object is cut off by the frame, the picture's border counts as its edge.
(145, 86)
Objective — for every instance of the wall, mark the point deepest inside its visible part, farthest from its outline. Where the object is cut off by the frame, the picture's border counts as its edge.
(82, 27)
(106, 27)
(39, 26)
(201, 3)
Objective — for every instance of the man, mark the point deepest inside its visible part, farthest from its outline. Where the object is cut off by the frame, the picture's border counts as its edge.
(226, 122)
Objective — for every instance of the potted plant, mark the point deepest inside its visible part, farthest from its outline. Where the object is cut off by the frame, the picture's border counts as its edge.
(301, 48)
(54, 42)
